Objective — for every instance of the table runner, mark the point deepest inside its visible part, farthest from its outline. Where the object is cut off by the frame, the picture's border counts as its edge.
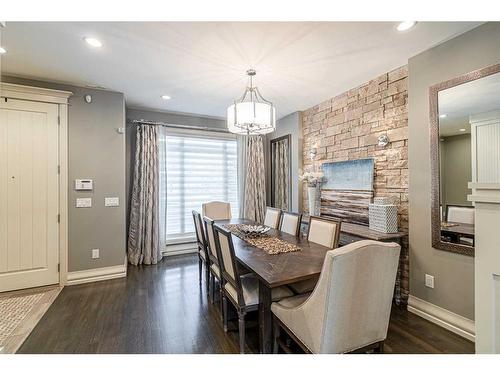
(269, 244)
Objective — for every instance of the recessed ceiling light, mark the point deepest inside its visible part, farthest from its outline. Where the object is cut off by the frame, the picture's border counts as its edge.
(165, 97)
(443, 115)
(406, 25)
(2, 50)
(93, 42)
(462, 130)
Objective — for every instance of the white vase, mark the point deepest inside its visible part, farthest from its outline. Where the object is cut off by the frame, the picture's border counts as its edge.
(313, 199)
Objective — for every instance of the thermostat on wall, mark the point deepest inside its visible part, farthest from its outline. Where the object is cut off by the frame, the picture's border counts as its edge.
(83, 184)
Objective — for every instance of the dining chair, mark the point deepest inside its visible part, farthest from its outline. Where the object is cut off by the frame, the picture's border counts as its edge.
(460, 214)
(214, 260)
(323, 231)
(242, 291)
(349, 309)
(290, 223)
(202, 248)
(216, 210)
(272, 217)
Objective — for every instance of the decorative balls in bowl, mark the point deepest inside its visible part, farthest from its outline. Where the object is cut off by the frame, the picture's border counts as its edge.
(254, 230)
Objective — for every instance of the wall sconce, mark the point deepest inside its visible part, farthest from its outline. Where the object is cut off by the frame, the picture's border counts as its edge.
(383, 140)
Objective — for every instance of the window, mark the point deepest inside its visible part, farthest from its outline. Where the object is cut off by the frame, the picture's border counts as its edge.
(196, 168)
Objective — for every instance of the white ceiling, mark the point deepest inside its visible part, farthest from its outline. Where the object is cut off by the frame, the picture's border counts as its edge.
(460, 102)
(202, 65)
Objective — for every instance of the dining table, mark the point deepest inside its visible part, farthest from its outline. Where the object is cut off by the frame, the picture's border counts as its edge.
(276, 270)
(454, 231)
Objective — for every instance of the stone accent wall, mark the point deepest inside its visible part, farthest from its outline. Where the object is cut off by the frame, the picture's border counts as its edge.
(347, 127)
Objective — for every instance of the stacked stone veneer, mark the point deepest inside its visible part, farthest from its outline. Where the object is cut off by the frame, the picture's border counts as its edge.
(347, 127)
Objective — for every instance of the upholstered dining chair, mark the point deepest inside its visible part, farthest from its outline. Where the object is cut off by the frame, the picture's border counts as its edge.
(272, 217)
(290, 223)
(460, 214)
(349, 309)
(202, 248)
(323, 231)
(216, 210)
(242, 291)
(214, 260)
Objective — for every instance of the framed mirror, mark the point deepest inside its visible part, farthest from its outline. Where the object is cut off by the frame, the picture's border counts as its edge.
(465, 147)
(281, 169)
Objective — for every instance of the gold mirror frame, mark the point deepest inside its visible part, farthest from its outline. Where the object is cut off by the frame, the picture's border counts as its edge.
(437, 243)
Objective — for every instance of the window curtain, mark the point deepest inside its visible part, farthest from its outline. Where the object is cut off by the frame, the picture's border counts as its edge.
(242, 142)
(144, 232)
(281, 173)
(255, 184)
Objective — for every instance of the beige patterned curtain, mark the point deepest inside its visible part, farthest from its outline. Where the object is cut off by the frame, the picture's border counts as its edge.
(281, 172)
(143, 238)
(255, 183)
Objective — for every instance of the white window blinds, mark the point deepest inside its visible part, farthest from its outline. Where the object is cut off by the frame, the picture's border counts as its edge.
(196, 168)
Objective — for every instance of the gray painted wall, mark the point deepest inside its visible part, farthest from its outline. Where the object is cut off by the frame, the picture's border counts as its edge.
(167, 117)
(456, 170)
(290, 124)
(454, 273)
(96, 151)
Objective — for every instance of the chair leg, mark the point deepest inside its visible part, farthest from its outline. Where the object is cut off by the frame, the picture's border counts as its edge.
(200, 266)
(276, 335)
(380, 348)
(224, 313)
(207, 277)
(241, 329)
(213, 289)
(220, 301)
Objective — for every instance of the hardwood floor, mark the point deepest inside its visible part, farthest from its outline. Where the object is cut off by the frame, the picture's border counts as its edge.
(161, 309)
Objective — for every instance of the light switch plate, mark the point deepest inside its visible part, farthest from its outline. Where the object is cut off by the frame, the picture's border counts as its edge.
(84, 184)
(429, 281)
(111, 202)
(83, 202)
(95, 253)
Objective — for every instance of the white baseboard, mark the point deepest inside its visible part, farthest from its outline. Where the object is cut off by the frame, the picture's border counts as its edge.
(180, 248)
(97, 274)
(442, 317)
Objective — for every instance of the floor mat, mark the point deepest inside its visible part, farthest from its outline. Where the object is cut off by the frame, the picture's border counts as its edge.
(20, 311)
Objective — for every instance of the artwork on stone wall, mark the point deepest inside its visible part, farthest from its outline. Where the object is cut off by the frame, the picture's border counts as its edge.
(349, 175)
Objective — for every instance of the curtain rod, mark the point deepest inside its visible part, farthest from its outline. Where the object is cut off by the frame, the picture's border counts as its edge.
(177, 126)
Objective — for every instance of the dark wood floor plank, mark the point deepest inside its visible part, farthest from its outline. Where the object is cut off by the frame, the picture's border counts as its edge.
(161, 309)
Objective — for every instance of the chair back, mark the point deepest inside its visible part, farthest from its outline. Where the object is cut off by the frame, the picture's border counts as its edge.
(227, 260)
(200, 235)
(460, 214)
(324, 231)
(216, 210)
(212, 247)
(290, 223)
(272, 218)
(351, 304)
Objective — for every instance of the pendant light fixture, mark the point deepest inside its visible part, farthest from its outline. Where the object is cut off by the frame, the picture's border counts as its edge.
(251, 114)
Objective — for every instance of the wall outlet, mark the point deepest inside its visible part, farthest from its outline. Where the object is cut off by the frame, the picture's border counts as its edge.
(429, 281)
(83, 202)
(111, 202)
(95, 253)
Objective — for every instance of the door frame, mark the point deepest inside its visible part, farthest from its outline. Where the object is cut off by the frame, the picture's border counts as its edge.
(61, 98)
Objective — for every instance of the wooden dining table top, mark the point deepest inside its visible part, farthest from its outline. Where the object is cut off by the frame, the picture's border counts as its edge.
(279, 269)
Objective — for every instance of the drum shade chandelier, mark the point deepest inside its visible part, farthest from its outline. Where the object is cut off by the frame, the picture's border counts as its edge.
(251, 114)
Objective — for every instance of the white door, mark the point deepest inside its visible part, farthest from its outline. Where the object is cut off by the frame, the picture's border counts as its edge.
(29, 194)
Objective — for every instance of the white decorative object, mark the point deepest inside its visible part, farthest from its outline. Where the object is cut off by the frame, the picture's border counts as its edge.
(383, 217)
(251, 114)
(313, 200)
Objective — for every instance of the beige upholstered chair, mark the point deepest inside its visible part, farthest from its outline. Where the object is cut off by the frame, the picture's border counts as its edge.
(460, 214)
(349, 309)
(241, 290)
(290, 223)
(272, 218)
(202, 247)
(326, 232)
(216, 210)
(212, 256)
